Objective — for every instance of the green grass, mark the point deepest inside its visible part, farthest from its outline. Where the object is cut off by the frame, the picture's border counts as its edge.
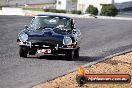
(34, 9)
(46, 10)
(43, 4)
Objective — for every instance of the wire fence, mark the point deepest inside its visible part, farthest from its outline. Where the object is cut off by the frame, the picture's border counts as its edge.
(23, 2)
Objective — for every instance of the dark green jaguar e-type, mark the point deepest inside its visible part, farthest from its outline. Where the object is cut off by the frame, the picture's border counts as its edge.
(50, 34)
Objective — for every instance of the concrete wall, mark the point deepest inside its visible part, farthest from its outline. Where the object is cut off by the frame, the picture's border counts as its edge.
(65, 5)
(70, 5)
(61, 4)
(121, 1)
(12, 11)
(124, 5)
(83, 4)
(22, 2)
(120, 4)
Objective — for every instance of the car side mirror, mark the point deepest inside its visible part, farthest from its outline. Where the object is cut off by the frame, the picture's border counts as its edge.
(73, 27)
(26, 26)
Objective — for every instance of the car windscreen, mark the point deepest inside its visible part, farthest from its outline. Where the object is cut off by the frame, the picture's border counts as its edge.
(50, 22)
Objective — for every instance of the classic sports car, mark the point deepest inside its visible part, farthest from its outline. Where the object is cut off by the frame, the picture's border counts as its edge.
(50, 34)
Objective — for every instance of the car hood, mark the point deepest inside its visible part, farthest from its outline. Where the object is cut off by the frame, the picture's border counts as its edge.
(46, 35)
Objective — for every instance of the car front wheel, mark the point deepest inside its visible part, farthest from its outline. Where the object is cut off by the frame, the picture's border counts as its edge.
(23, 52)
(76, 53)
(69, 55)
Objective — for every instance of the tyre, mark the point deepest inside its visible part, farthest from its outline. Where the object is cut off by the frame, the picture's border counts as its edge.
(32, 52)
(69, 55)
(23, 52)
(81, 80)
(76, 53)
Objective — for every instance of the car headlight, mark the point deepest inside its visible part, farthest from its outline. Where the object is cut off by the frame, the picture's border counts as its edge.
(67, 41)
(23, 37)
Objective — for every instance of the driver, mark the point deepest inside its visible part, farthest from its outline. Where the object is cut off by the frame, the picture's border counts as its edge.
(61, 24)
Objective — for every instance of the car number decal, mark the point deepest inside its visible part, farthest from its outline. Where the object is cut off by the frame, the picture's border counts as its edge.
(45, 51)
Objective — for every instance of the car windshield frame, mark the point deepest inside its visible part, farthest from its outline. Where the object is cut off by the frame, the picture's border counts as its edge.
(42, 22)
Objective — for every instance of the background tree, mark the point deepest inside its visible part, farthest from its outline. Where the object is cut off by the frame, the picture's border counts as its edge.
(109, 10)
(92, 10)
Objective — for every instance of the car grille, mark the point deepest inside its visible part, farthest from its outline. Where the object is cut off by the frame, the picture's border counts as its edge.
(42, 45)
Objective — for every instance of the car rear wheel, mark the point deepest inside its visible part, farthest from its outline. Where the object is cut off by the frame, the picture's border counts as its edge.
(23, 52)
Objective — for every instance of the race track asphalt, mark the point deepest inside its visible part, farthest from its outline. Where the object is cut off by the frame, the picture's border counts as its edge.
(101, 38)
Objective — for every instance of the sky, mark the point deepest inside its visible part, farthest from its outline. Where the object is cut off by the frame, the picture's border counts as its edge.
(122, 0)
